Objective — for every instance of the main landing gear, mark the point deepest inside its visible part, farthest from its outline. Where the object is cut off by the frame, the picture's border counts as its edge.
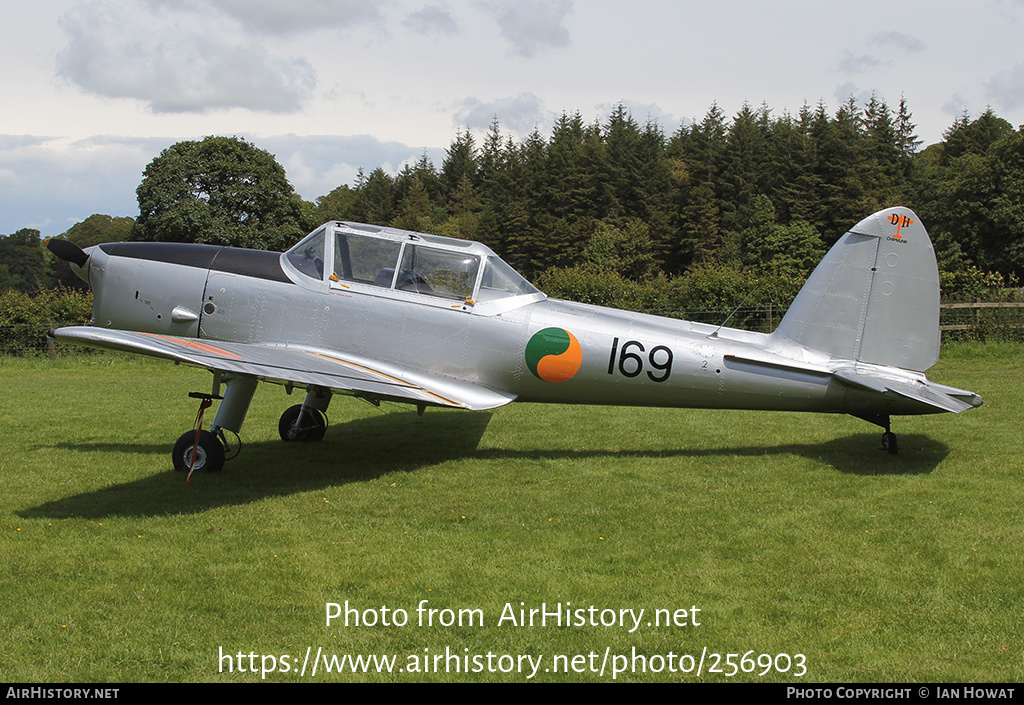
(205, 451)
(302, 423)
(205, 455)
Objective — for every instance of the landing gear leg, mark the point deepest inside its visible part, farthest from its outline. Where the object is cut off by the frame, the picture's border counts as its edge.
(306, 422)
(205, 451)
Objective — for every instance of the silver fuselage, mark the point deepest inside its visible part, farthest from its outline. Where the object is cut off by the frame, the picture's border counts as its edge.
(625, 358)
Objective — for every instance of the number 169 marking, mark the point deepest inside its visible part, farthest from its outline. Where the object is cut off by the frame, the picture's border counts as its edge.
(630, 364)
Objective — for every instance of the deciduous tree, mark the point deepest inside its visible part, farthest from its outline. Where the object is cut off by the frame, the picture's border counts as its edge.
(220, 190)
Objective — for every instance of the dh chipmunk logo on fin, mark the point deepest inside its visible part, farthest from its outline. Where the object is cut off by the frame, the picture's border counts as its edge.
(900, 221)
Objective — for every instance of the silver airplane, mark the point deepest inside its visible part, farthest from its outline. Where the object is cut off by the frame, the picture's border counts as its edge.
(391, 315)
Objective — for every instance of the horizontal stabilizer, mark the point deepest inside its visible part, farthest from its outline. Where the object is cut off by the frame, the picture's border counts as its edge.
(937, 396)
(939, 401)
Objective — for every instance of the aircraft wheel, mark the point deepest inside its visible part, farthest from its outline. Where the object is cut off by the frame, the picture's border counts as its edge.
(209, 453)
(313, 428)
(889, 443)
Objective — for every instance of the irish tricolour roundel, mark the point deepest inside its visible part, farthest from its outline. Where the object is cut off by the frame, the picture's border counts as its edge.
(554, 355)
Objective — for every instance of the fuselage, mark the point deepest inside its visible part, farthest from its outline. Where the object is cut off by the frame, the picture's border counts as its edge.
(519, 342)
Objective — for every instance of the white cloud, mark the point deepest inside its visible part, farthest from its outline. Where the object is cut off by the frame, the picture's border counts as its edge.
(860, 64)
(1006, 88)
(957, 105)
(848, 90)
(276, 17)
(898, 40)
(532, 26)
(432, 19)
(519, 114)
(179, 66)
(9, 143)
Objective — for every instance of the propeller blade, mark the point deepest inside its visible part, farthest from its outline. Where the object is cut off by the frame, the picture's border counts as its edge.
(67, 251)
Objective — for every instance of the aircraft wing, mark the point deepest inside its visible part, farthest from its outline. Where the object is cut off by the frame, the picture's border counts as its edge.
(283, 364)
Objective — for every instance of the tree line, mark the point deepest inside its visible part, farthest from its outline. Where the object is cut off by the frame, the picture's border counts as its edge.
(620, 212)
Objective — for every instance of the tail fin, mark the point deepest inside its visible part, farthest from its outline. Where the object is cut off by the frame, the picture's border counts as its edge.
(875, 296)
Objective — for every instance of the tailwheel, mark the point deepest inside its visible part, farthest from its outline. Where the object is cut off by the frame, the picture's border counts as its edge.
(889, 443)
(306, 426)
(205, 456)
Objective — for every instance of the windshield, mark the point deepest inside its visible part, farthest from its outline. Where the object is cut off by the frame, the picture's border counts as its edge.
(308, 255)
(500, 281)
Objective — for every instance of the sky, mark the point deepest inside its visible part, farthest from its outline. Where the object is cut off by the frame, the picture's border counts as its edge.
(92, 90)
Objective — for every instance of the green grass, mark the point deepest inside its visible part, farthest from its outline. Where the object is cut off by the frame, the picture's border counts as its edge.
(792, 533)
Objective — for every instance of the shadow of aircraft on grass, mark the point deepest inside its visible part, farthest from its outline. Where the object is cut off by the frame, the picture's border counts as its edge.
(368, 448)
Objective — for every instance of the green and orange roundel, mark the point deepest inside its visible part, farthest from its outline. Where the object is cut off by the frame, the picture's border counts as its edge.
(554, 355)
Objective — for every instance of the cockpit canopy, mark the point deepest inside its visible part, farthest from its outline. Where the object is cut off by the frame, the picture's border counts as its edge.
(399, 260)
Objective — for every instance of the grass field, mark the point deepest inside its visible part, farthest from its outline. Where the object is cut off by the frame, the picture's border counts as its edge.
(792, 534)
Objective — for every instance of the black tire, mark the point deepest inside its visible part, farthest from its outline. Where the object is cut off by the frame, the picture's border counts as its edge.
(889, 443)
(209, 455)
(312, 431)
